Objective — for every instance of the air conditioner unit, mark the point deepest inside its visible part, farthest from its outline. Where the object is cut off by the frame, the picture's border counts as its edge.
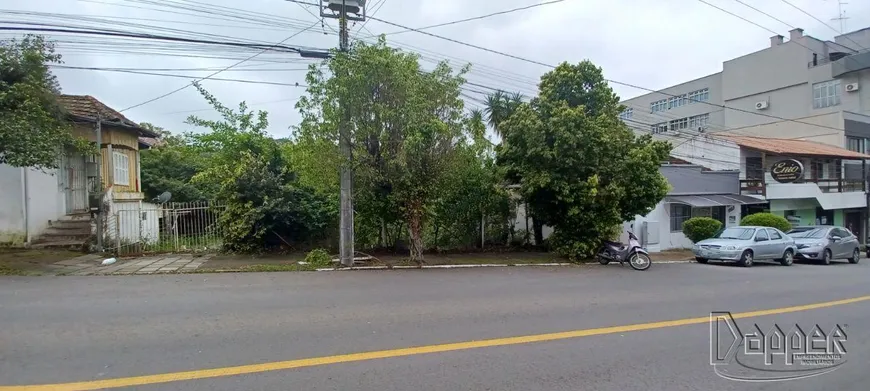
(761, 105)
(851, 87)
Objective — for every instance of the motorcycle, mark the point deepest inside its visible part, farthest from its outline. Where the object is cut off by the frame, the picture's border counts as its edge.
(633, 253)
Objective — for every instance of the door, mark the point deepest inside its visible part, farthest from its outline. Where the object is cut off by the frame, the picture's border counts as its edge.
(843, 247)
(777, 243)
(762, 244)
(855, 225)
(75, 182)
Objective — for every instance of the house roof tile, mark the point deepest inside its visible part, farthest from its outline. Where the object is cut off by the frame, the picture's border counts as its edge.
(782, 146)
(88, 108)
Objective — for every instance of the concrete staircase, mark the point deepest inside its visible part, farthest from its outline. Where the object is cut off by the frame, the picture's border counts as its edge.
(69, 232)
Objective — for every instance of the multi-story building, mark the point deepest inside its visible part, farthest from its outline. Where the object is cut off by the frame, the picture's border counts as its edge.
(800, 88)
(781, 103)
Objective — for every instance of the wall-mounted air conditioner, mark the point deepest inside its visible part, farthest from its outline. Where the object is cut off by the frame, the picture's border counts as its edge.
(761, 105)
(851, 87)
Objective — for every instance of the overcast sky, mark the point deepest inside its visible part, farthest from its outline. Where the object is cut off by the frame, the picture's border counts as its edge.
(653, 44)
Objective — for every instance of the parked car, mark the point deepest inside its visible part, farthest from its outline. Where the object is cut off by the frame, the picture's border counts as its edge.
(745, 245)
(825, 243)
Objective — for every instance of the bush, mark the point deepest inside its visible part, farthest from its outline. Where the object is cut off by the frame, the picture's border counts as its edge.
(767, 220)
(318, 258)
(700, 228)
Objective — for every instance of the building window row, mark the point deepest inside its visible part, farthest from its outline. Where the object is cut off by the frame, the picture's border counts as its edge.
(826, 94)
(694, 122)
(626, 114)
(701, 95)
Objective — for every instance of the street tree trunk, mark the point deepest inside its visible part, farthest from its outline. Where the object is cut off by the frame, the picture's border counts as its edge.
(539, 231)
(415, 232)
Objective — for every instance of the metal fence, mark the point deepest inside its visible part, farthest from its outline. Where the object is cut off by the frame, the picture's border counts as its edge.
(172, 227)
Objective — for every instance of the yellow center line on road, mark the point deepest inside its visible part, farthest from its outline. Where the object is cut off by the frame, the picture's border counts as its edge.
(449, 347)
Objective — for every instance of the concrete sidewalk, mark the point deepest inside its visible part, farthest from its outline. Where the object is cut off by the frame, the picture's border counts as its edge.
(90, 265)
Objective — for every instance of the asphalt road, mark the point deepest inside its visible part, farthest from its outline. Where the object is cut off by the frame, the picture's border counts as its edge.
(58, 330)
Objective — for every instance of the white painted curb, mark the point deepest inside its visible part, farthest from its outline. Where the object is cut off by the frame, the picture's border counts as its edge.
(464, 266)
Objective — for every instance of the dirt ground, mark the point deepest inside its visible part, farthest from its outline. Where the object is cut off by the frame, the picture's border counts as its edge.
(26, 261)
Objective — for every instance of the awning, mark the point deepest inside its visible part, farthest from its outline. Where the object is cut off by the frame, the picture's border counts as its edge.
(714, 200)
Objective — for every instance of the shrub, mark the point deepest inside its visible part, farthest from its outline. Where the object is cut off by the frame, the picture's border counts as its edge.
(700, 228)
(767, 220)
(318, 258)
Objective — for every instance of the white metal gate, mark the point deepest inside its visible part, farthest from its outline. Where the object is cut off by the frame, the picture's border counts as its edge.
(75, 181)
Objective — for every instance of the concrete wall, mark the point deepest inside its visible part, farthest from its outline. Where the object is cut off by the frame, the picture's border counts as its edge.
(46, 200)
(691, 179)
(11, 206)
(820, 128)
(856, 40)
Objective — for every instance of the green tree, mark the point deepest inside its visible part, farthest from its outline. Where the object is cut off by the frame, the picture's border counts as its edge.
(266, 206)
(170, 166)
(34, 128)
(582, 171)
(406, 124)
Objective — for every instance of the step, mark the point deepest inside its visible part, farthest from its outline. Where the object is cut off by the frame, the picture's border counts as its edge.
(70, 224)
(75, 217)
(75, 245)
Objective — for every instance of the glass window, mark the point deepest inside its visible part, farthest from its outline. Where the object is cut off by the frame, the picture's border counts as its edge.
(678, 124)
(856, 144)
(762, 234)
(812, 233)
(718, 213)
(121, 167)
(826, 94)
(699, 121)
(627, 113)
(773, 234)
(659, 128)
(679, 214)
(736, 233)
(659, 105)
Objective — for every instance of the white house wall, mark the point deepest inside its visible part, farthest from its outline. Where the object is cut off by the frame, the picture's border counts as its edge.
(12, 224)
(46, 201)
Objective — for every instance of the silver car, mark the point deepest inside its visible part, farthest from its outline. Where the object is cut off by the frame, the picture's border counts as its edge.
(825, 243)
(747, 244)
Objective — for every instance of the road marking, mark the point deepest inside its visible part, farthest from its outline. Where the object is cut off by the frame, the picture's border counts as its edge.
(449, 347)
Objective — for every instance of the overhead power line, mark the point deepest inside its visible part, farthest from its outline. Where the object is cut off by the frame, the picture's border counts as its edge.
(179, 76)
(608, 80)
(213, 74)
(469, 19)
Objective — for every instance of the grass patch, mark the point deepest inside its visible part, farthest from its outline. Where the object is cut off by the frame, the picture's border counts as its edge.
(27, 262)
(6, 270)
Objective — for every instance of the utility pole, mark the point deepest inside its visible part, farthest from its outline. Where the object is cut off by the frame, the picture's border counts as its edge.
(345, 10)
(99, 185)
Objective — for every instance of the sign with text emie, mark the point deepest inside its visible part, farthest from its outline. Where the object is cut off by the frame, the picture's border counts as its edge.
(786, 171)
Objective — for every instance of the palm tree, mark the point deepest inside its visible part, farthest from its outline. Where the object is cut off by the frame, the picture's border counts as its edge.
(500, 106)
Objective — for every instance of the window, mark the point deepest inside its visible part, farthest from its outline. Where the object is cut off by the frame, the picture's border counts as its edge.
(826, 94)
(699, 121)
(773, 234)
(676, 101)
(626, 114)
(857, 144)
(659, 105)
(121, 164)
(678, 124)
(679, 214)
(714, 212)
(761, 234)
(736, 233)
(753, 168)
(659, 128)
(699, 95)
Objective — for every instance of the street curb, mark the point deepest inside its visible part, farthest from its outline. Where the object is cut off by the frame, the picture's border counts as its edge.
(469, 266)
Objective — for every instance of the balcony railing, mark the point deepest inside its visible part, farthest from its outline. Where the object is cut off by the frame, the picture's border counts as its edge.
(757, 186)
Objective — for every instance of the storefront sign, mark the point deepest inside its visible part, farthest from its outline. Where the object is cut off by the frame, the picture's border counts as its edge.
(786, 171)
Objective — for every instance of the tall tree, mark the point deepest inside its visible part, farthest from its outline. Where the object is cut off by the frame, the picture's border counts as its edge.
(406, 126)
(170, 166)
(583, 171)
(33, 129)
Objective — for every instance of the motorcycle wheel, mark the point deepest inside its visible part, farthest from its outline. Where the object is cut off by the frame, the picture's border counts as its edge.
(639, 261)
(602, 260)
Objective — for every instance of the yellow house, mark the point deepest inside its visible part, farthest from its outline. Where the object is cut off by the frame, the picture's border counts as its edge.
(119, 151)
